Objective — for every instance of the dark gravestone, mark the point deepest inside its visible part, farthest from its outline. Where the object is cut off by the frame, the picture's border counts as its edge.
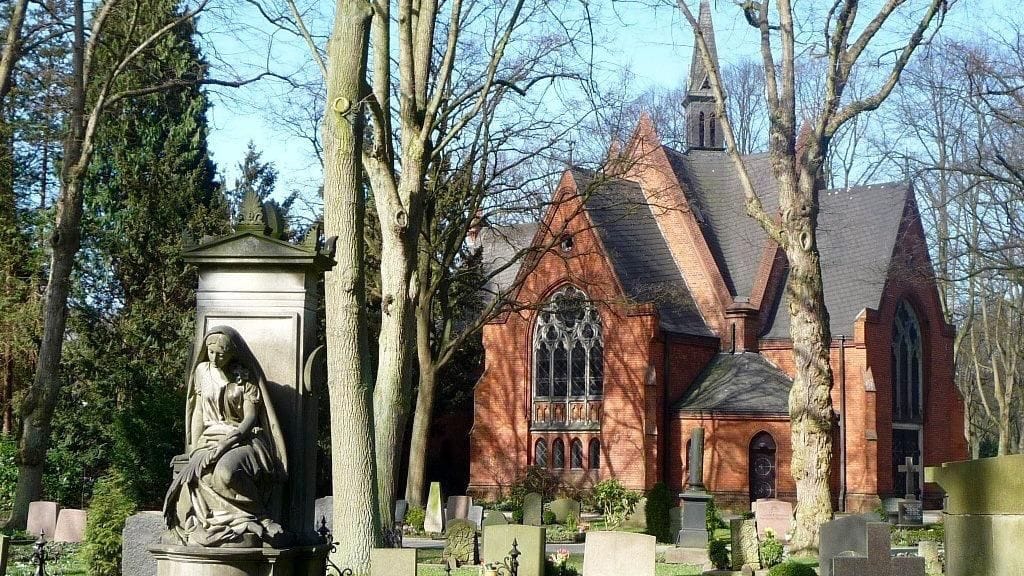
(458, 507)
(5, 544)
(910, 513)
(401, 508)
(140, 531)
(533, 509)
(694, 532)
(845, 534)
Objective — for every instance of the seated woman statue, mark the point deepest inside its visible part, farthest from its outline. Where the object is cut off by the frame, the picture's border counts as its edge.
(224, 495)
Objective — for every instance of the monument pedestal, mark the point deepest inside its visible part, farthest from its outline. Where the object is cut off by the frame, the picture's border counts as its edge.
(174, 560)
(694, 532)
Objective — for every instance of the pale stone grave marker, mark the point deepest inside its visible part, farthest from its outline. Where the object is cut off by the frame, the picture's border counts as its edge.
(393, 561)
(460, 542)
(401, 508)
(744, 544)
(458, 507)
(70, 526)
(533, 509)
(844, 534)
(563, 508)
(4, 547)
(433, 521)
(140, 531)
(42, 518)
(529, 540)
(476, 516)
(774, 514)
(618, 554)
(878, 561)
(495, 518)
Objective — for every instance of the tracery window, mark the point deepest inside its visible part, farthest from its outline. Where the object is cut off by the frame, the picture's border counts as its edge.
(568, 348)
(576, 454)
(906, 366)
(558, 454)
(540, 453)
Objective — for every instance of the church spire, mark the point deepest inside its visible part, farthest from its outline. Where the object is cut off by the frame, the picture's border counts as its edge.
(703, 129)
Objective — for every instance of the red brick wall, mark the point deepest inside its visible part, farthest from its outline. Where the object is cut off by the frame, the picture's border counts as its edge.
(501, 441)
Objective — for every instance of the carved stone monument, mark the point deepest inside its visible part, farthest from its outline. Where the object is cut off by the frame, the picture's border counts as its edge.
(694, 533)
(241, 501)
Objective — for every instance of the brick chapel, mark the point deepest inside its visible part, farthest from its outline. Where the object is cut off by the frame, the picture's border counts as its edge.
(656, 305)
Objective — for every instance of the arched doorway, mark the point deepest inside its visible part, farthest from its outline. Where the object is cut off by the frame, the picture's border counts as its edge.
(762, 467)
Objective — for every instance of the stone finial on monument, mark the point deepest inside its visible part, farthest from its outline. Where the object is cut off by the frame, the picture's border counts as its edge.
(694, 533)
(248, 484)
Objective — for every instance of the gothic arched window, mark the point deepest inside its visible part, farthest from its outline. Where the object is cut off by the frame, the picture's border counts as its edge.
(906, 366)
(568, 348)
(595, 454)
(540, 453)
(558, 454)
(576, 454)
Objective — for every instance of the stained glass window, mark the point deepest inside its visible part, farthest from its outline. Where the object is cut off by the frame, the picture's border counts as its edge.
(906, 366)
(558, 454)
(540, 453)
(595, 454)
(568, 348)
(576, 454)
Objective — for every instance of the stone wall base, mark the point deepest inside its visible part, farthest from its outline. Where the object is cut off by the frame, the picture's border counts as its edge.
(196, 561)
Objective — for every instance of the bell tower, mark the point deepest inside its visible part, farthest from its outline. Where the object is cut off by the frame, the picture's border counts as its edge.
(703, 128)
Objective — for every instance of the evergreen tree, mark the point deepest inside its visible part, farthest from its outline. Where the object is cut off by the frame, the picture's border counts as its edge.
(151, 184)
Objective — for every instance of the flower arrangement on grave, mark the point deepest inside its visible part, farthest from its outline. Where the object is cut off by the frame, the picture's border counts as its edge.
(770, 549)
(557, 564)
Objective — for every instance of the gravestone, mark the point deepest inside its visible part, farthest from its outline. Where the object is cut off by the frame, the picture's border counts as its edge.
(878, 560)
(495, 518)
(563, 508)
(433, 521)
(70, 526)
(744, 544)
(460, 542)
(983, 514)
(618, 554)
(638, 517)
(476, 516)
(5, 546)
(533, 509)
(910, 471)
(401, 508)
(910, 513)
(844, 534)
(694, 532)
(776, 515)
(458, 507)
(140, 531)
(529, 540)
(42, 518)
(393, 561)
(323, 508)
(892, 509)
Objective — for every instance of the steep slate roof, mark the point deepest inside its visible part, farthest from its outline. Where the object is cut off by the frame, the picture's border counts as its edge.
(501, 244)
(857, 233)
(638, 251)
(713, 187)
(744, 383)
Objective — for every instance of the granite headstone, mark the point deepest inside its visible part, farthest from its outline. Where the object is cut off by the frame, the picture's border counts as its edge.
(878, 561)
(42, 519)
(495, 518)
(401, 508)
(70, 526)
(476, 516)
(776, 515)
(530, 540)
(618, 554)
(844, 534)
(140, 531)
(563, 508)
(533, 509)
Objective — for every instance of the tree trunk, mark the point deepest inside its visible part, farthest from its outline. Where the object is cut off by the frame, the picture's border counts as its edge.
(810, 401)
(356, 521)
(424, 412)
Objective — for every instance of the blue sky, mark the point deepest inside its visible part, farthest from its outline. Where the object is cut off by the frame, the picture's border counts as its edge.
(655, 44)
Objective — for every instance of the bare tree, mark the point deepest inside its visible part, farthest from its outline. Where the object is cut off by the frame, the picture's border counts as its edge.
(798, 169)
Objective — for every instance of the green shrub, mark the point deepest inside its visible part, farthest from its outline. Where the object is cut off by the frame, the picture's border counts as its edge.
(659, 501)
(415, 516)
(718, 553)
(712, 518)
(792, 569)
(911, 536)
(517, 515)
(747, 515)
(8, 472)
(615, 501)
(550, 518)
(770, 550)
(112, 503)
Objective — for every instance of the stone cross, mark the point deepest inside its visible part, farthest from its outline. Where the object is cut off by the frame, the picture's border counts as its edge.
(879, 560)
(911, 471)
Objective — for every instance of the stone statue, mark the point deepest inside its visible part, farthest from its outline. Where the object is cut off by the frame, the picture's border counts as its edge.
(226, 493)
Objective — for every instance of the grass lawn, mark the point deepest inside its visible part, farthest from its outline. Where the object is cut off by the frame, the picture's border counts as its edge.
(430, 565)
(65, 560)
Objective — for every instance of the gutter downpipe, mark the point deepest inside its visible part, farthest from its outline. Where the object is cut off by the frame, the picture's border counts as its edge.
(842, 423)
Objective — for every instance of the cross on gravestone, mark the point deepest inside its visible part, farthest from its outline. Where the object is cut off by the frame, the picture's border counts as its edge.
(910, 470)
(879, 560)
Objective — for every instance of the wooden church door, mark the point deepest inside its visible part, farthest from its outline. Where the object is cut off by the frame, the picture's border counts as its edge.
(762, 467)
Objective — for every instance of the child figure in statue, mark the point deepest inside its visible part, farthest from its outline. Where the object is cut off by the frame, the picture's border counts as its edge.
(224, 495)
